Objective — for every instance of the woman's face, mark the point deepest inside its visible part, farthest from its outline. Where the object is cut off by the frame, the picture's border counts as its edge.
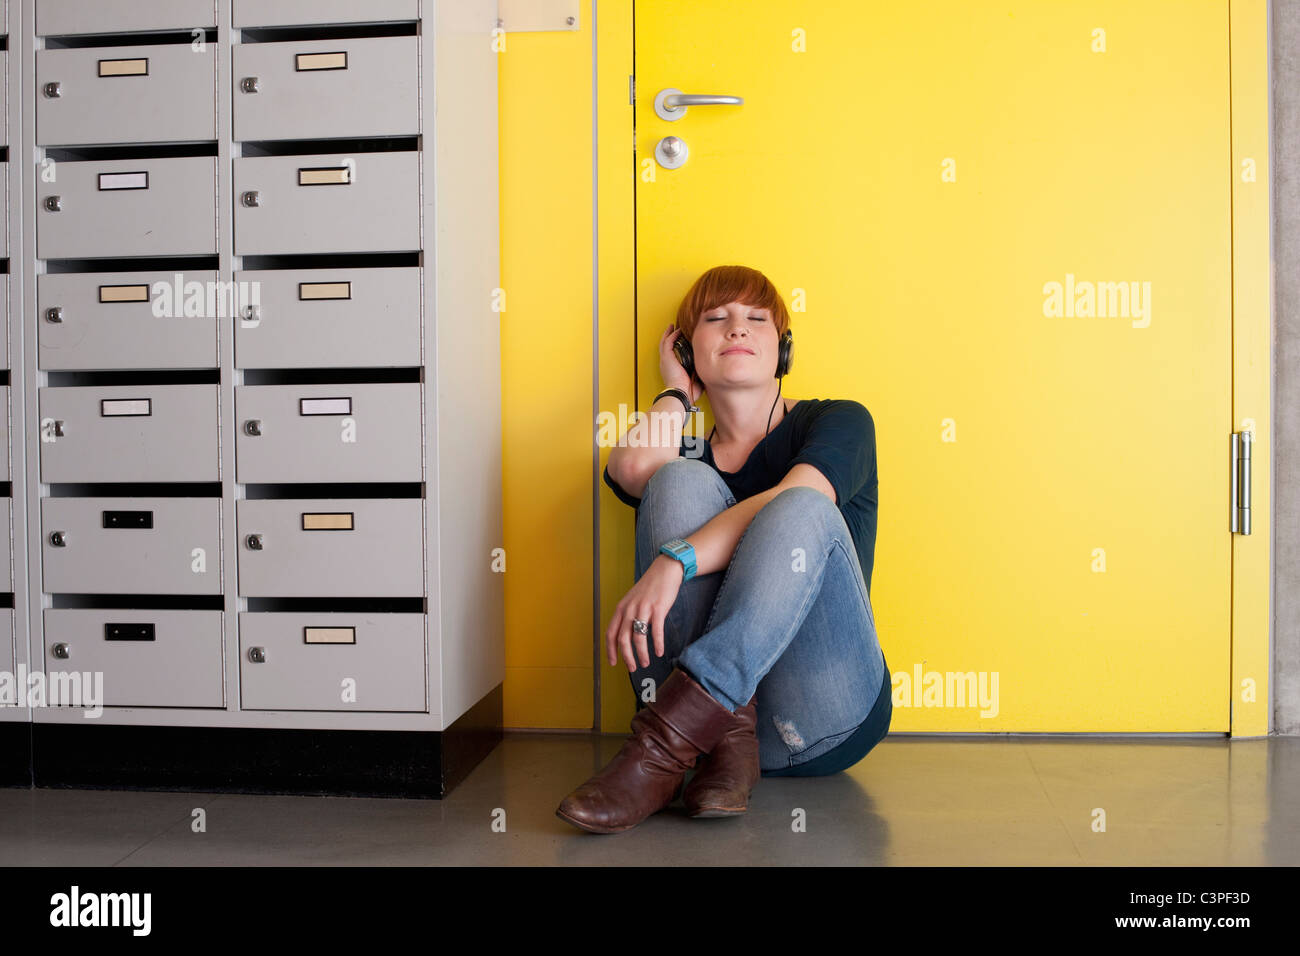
(735, 345)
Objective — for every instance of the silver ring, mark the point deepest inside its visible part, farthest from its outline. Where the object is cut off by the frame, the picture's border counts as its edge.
(641, 627)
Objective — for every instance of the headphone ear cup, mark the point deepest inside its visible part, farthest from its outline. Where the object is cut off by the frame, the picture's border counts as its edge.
(785, 354)
(682, 349)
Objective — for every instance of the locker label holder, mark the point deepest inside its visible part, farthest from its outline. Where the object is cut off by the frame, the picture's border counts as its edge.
(305, 62)
(325, 406)
(327, 521)
(329, 635)
(125, 407)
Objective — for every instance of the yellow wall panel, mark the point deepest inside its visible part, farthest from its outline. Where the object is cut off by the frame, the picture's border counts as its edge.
(550, 697)
(546, 374)
(555, 500)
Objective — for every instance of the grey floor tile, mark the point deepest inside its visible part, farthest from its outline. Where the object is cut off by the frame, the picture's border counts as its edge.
(913, 801)
(83, 827)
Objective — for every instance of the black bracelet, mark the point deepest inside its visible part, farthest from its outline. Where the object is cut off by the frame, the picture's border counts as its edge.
(685, 399)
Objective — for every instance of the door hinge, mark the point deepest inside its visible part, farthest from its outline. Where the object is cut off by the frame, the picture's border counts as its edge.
(1239, 482)
(631, 90)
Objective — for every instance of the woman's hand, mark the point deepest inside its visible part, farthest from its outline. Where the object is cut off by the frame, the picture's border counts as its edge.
(671, 369)
(649, 600)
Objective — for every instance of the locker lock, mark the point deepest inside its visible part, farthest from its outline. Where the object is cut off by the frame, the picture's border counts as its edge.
(54, 314)
(58, 429)
(250, 198)
(53, 203)
(59, 539)
(53, 91)
(61, 651)
(254, 542)
(257, 655)
(248, 84)
(252, 313)
(253, 427)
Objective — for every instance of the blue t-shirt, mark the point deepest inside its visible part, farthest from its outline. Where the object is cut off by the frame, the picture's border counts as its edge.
(836, 436)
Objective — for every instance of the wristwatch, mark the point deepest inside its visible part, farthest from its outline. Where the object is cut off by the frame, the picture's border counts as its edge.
(683, 552)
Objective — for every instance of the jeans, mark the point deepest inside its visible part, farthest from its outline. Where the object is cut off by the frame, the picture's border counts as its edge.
(789, 621)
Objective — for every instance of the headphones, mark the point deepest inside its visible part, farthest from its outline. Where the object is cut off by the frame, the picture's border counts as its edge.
(784, 354)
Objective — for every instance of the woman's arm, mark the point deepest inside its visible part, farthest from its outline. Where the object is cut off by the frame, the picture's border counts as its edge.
(653, 441)
(715, 542)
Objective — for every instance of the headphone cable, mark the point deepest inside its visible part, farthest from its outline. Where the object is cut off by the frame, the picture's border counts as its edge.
(769, 413)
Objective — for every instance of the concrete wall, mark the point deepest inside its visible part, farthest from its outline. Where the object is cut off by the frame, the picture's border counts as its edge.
(1284, 43)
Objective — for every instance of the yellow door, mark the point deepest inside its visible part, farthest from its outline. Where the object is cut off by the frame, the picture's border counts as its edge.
(1005, 229)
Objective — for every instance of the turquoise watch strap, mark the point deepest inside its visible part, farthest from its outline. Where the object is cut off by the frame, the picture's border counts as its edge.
(684, 552)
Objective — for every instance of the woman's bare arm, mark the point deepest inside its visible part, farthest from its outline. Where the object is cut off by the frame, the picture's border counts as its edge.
(714, 544)
(653, 441)
(716, 541)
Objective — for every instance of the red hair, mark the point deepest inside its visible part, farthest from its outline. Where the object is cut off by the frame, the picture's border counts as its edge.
(724, 284)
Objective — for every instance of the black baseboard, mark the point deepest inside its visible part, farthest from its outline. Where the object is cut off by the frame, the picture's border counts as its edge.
(15, 753)
(351, 763)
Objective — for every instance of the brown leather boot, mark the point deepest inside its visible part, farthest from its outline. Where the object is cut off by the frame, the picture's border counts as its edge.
(721, 787)
(646, 774)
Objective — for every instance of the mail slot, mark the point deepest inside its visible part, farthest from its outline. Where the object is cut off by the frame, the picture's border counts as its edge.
(180, 666)
(306, 433)
(128, 433)
(381, 555)
(137, 94)
(327, 88)
(131, 545)
(67, 17)
(310, 318)
(271, 13)
(121, 320)
(363, 202)
(128, 207)
(333, 661)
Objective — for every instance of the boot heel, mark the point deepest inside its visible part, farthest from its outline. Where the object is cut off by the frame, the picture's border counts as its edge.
(722, 788)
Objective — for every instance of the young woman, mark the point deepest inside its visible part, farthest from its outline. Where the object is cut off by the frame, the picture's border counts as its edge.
(754, 554)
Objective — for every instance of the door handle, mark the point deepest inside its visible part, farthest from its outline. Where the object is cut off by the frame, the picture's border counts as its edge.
(671, 103)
